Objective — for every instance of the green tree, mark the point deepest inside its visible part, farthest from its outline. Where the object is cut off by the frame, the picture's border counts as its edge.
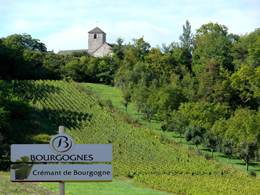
(187, 37)
(227, 147)
(195, 133)
(118, 48)
(204, 113)
(246, 150)
(107, 68)
(169, 48)
(210, 141)
(170, 97)
(139, 96)
(24, 42)
(243, 125)
(159, 64)
(141, 48)
(182, 57)
(93, 68)
(211, 43)
(253, 58)
(239, 51)
(245, 81)
(76, 70)
(149, 111)
(178, 123)
(126, 99)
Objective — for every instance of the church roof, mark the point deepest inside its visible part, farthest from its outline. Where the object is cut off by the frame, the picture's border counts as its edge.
(96, 30)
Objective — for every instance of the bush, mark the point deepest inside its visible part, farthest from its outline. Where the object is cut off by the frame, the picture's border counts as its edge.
(108, 104)
(162, 138)
(4, 163)
(207, 156)
(252, 173)
(199, 152)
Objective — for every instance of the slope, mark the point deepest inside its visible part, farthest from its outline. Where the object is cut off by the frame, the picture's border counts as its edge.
(137, 154)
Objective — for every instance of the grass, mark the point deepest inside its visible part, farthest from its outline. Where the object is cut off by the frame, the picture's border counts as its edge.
(106, 92)
(119, 186)
(8, 187)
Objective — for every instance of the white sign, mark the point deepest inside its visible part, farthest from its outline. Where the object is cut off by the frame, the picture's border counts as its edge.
(77, 153)
(61, 172)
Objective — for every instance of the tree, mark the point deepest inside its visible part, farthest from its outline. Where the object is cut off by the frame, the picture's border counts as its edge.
(169, 48)
(149, 111)
(204, 113)
(243, 125)
(139, 96)
(183, 57)
(209, 140)
(243, 129)
(118, 49)
(211, 43)
(107, 68)
(246, 150)
(76, 70)
(24, 42)
(141, 48)
(253, 58)
(170, 97)
(195, 133)
(93, 68)
(227, 147)
(246, 82)
(159, 64)
(178, 123)
(164, 127)
(187, 37)
(126, 99)
(208, 81)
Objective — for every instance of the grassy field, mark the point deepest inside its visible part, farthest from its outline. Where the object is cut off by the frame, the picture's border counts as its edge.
(8, 187)
(119, 186)
(106, 92)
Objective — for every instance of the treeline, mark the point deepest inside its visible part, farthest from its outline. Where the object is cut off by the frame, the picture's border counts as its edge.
(206, 86)
(24, 58)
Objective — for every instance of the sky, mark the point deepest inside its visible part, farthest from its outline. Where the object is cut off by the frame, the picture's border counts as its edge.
(64, 25)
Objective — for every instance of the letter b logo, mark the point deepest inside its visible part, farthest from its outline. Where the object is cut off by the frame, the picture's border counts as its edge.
(61, 143)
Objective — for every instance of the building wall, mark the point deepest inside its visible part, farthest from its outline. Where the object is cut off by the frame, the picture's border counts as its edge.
(103, 51)
(94, 44)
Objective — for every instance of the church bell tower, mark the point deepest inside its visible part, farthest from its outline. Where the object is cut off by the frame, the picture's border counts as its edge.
(96, 38)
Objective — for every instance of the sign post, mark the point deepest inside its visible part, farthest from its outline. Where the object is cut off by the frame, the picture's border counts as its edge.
(61, 149)
(61, 184)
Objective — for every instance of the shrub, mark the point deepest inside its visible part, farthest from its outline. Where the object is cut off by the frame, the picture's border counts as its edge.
(252, 173)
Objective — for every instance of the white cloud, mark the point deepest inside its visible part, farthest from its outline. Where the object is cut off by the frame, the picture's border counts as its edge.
(153, 34)
(21, 25)
(75, 37)
(64, 24)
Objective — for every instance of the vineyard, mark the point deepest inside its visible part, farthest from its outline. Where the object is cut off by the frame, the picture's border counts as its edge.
(137, 153)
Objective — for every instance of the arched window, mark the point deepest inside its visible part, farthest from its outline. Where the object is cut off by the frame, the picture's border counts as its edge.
(95, 36)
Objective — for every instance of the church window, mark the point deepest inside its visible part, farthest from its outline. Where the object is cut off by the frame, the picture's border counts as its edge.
(95, 36)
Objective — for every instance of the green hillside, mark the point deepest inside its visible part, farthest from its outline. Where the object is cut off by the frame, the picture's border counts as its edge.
(137, 153)
(107, 92)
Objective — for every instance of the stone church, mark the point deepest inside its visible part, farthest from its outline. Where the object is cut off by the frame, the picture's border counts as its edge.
(97, 45)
